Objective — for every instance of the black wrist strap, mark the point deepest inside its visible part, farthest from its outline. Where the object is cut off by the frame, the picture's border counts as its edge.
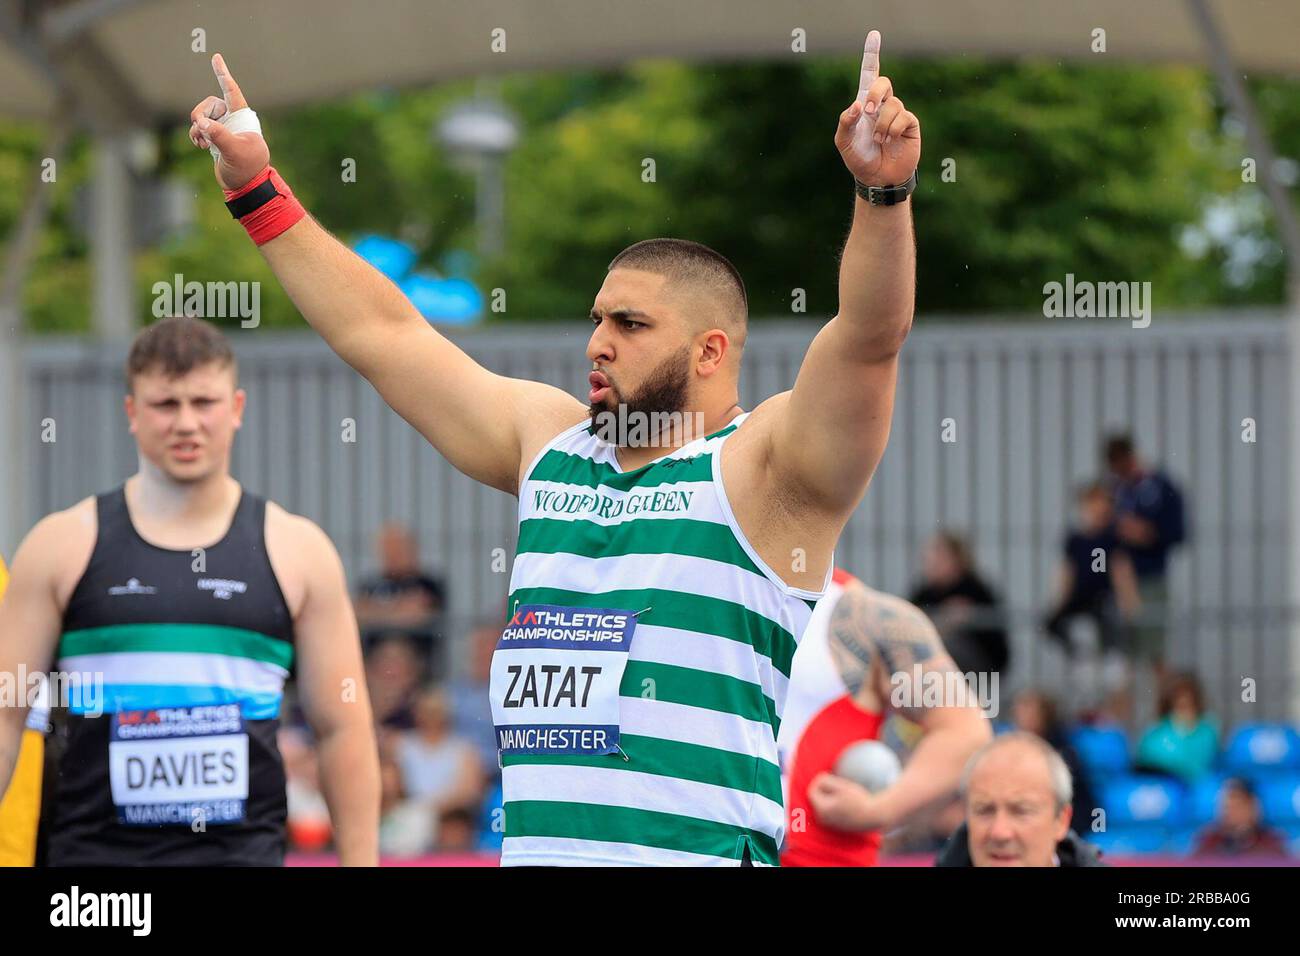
(255, 198)
(886, 195)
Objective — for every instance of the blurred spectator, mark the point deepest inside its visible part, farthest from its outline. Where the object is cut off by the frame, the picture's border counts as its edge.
(1017, 793)
(963, 608)
(402, 598)
(471, 708)
(438, 768)
(1035, 713)
(457, 832)
(1150, 522)
(406, 827)
(393, 678)
(1100, 587)
(1185, 741)
(308, 814)
(1115, 708)
(1238, 830)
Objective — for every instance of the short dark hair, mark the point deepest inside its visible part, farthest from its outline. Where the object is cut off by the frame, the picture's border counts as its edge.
(177, 346)
(1178, 683)
(958, 547)
(1242, 786)
(683, 260)
(1118, 447)
(1046, 706)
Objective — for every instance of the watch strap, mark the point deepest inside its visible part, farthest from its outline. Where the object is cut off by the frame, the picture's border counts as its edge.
(887, 195)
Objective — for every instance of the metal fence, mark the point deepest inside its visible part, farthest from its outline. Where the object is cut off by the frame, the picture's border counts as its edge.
(1029, 404)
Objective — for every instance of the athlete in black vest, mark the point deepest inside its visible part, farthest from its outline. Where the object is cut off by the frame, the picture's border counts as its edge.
(173, 609)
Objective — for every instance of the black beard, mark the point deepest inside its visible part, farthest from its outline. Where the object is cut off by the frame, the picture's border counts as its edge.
(663, 391)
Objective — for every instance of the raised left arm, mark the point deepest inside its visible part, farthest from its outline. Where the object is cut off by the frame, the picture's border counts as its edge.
(830, 435)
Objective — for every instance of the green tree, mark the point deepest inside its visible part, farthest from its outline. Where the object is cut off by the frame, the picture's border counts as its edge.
(1103, 172)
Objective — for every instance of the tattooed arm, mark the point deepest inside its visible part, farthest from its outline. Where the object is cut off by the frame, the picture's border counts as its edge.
(889, 653)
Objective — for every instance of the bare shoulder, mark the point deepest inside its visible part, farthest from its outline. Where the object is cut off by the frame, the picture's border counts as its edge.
(747, 453)
(544, 408)
(756, 452)
(763, 418)
(543, 411)
(301, 554)
(289, 533)
(776, 515)
(871, 624)
(56, 551)
(767, 409)
(870, 628)
(64, 540)
(78, 524)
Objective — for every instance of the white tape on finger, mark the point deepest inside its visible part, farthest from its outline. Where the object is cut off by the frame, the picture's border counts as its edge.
(240, 121)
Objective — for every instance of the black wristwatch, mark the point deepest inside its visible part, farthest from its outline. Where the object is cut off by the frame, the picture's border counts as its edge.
(886, 195)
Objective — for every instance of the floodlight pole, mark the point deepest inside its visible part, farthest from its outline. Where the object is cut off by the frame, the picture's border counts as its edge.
(16, 431)
(111, 241)
(1288, 227)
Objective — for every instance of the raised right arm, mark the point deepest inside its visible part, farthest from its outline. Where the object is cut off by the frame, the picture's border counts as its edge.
(486, 425)
(478, 420)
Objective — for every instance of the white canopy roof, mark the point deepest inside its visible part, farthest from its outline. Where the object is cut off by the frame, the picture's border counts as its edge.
(134, 58)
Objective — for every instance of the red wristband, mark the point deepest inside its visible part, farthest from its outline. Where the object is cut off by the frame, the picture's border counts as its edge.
(275, 215)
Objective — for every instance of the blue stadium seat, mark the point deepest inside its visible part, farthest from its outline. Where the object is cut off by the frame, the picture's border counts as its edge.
(1102, 750)
(1202, 804)
(1279, 800)
(1257, 750)
(1130, 840)
(1142, 801)
(1181, 841)
(1292, 834)
(490, 836)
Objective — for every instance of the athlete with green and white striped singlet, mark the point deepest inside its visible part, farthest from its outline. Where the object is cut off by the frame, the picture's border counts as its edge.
(671, 544)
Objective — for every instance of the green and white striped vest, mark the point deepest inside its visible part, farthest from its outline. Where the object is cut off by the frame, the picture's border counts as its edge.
(701, 697)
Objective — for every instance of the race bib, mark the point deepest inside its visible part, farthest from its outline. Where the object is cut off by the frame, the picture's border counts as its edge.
(176, 765)
(555, 679)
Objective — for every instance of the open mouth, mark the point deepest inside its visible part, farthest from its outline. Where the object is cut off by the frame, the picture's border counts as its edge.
(600, 387)
(185, 451)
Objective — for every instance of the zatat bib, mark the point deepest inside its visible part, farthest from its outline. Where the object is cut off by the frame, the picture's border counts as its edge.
(555, 679)
(638, 686)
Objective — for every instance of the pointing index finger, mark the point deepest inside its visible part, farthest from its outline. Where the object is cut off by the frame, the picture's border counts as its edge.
(870, 64)
(229, 88)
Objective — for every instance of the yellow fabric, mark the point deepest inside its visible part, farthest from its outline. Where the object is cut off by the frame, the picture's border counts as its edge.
(20, 809)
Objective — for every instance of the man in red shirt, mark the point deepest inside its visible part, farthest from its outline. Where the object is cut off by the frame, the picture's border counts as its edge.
(1239, 831)
(863, 653)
